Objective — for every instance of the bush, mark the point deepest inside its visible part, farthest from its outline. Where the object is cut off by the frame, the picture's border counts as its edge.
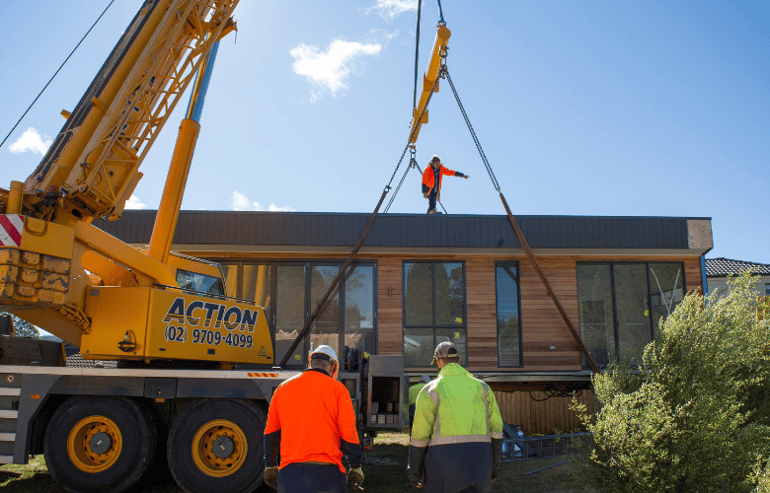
(762, 477)
(695, 417)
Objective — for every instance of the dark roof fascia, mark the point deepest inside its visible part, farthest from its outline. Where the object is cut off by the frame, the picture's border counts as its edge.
(450, 231)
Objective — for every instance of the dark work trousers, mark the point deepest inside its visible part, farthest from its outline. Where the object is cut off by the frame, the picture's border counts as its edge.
(311, 478)
(471, 489)
(432, 199)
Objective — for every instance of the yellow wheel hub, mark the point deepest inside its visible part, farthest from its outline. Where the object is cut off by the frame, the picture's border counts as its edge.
(219, 448)
(94, 444)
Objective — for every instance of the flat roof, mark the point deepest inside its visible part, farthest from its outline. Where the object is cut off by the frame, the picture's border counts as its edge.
(405, 231)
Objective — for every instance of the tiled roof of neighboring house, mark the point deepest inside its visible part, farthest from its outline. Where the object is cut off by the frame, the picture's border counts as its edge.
(723, 267)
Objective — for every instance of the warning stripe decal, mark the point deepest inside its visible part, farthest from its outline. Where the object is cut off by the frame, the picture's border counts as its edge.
(263, 375)
(11, 226)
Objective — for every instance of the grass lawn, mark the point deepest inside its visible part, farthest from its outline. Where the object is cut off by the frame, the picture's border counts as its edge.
(385, 473)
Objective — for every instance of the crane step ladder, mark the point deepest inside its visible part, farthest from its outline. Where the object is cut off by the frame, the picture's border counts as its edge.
(9, 414)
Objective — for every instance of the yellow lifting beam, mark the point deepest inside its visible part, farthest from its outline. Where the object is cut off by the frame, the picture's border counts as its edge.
(429, 83)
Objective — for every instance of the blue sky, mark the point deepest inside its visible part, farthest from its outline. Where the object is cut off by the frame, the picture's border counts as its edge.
(641, 108)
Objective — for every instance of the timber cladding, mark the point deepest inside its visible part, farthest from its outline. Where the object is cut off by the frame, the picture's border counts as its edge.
(535, 413)
(390, 339)
(547, 343)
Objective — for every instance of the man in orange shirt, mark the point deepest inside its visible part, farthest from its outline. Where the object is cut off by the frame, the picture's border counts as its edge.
(310, 426)
(431, 182)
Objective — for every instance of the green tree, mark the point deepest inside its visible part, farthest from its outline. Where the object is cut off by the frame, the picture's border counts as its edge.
(22, 328)
(695, 415)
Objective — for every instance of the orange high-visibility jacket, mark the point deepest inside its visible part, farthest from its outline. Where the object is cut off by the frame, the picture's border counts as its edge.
(311, 419)
(429, 180)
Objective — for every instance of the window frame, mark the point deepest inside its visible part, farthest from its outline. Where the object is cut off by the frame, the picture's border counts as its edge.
(307, 294)
(612, 264)
(434, 327)
(509, 263)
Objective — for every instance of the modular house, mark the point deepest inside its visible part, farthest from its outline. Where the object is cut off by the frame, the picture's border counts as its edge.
(422, 279)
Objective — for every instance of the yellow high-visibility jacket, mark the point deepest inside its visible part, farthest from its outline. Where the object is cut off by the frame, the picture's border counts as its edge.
(455, 408)
(456, 424)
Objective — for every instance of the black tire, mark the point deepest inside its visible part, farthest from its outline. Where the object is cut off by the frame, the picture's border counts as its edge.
(236, 427)
(99, 444)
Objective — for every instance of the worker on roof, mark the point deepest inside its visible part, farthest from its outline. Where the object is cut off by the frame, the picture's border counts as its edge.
(457, 435)
(310, 426)
(431, 182)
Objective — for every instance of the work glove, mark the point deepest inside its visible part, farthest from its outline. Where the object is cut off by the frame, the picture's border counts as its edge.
(356, 477)
(271, 477)
(415, 467)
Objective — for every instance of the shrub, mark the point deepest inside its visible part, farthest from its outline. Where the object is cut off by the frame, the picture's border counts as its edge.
(695, 417)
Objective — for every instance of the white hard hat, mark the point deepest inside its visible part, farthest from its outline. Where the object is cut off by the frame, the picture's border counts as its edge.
(324, 352)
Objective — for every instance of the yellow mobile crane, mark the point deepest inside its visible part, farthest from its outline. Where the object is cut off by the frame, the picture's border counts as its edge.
(164, 317)
(61, 272)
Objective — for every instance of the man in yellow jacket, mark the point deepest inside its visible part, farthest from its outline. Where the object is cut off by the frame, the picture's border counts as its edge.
(457, 434)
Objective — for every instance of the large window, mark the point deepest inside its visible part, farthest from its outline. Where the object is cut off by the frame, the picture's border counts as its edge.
(621, 305)
(434, 310)
(290, 292)
(508, 309)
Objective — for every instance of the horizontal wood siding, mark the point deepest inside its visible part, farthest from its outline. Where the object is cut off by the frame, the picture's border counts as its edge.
(543, 416)
(693, 275)
(547, 343)
(482, 312)
(542, 325)
(389, 290)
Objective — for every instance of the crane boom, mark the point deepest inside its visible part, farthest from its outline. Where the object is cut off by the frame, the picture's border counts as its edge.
(62, 273)
(91, 168)
(173, 192)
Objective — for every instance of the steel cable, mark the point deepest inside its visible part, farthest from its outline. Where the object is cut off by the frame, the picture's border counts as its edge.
(56, 73)
(416, 55)
(473, 133)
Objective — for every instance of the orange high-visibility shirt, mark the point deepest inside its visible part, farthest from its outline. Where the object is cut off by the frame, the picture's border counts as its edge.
(429, 180)
(313, 413)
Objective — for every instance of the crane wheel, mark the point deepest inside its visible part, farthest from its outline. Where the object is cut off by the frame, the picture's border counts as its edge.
(216, 445)
(99, 444)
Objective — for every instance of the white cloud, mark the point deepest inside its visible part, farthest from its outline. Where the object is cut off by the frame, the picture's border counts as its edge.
(134, 203)
(331, 68)
(30, 140)
(390, 9)
(242, 203)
